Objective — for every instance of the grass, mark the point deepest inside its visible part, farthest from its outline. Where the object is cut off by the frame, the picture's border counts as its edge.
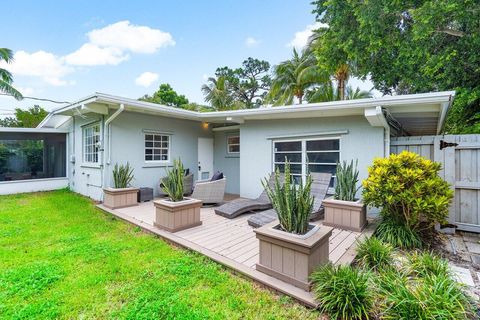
(60, 257)
(399, 236)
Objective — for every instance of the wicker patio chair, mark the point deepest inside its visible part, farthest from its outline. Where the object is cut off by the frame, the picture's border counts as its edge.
(237, 207)
(320, 184)
(210, 191)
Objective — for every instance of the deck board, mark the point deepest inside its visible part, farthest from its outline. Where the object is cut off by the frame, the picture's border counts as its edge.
(232, 242)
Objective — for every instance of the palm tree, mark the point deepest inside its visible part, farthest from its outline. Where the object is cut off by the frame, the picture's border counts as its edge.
(292, 78)
(330, 92)
(216, 93)
(6, 78)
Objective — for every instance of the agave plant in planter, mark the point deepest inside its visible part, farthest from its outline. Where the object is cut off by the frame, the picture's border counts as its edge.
(343, 210)
(176, 212)
(291, 248)
(122, 194)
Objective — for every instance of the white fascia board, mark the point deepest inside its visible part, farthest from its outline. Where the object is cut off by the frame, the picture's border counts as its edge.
(32, 130)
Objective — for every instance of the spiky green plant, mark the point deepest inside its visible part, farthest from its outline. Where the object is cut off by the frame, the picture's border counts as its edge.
(293, 203)
(122, 175)
(346, 181)
(172, 184)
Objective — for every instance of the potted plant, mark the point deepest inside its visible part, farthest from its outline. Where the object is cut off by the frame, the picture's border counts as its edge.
(176, 212)
(344, 210)
(290, 247)
(122, 194)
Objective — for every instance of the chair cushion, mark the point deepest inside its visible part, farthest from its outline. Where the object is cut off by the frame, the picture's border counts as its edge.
(217, 176)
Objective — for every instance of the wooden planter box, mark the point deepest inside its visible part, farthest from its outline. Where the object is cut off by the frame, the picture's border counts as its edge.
(114, 198)
(349, 215)
(289, 257)
(176, 216)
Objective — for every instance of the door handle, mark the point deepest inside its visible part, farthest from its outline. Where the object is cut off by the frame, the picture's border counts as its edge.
(199, 168)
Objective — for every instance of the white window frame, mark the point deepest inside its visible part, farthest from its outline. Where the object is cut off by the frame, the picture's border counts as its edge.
(233, 144)
(304, 151)
(169, 146)
(96, 146)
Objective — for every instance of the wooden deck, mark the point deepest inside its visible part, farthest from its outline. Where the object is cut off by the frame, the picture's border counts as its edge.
(232, 243)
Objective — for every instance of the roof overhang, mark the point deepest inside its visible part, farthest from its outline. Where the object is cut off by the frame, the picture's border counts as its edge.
(418, 113)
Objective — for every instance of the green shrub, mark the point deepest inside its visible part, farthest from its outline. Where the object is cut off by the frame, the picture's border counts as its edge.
(343, 292)
(122, 175)
(409, 190)
(172, 184)
(432, 297)
(346, 181)
(293, 203)
(397, 234)
(423, 264)
(374, 254)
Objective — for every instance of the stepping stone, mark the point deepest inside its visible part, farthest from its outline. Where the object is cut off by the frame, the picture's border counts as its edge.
(473, 247)
(462, 275)
(476, 260)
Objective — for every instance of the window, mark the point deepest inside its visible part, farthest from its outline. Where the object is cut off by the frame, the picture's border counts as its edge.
(91, 140)
(233, 144)
(157, 147)
(320, 155)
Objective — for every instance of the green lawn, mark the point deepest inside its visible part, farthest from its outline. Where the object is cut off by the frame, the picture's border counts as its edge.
(60, 257)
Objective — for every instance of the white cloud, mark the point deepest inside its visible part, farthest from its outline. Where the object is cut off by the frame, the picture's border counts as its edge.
(45, 65)
(92, 55)
(126, 36)
(301, 37)
(146, 79)
(251, 42)
(205, 77)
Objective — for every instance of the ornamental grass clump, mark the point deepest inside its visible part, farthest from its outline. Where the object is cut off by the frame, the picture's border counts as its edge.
(431, 297)
(346, 181)
(397, 234)
(374, 254)
(122, 175)
(292, 202)
(343, 291)
(424, 264)
(172, 184)
(410, 192)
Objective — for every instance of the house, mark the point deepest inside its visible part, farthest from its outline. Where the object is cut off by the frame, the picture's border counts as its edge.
(82, 141)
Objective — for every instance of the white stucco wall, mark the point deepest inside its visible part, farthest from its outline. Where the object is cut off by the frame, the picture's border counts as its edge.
(362, 142)
(227, 163)
(34, 185)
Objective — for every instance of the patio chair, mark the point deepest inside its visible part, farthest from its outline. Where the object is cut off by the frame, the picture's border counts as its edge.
(237, 207)
(210, 192)
(320, 184)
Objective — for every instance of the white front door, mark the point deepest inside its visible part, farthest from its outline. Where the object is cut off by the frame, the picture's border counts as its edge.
(205, 158)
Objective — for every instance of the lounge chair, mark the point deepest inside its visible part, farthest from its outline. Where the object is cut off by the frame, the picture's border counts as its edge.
(237, 207)
(210, 191)
(320, 184)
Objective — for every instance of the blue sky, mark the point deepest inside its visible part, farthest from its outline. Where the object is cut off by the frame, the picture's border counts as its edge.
(65, 50)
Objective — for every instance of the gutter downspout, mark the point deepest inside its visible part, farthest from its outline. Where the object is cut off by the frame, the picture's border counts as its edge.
(386, 132)
(108, 131)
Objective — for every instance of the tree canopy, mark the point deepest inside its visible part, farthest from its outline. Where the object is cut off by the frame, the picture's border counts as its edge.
(240, 88)
(408, 47)
(167, 96)
(29, 118)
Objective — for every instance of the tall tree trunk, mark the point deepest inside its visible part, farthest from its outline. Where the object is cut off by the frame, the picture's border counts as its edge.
(341, 75)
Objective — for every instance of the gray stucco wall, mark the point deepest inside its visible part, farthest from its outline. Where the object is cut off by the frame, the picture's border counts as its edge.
(128, 145)
(227, 163)
(362, 142)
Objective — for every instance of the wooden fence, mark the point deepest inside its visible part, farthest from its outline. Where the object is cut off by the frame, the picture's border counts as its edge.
(460, 159)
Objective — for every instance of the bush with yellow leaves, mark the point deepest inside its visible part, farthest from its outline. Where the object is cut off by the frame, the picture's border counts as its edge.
(409, 190)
